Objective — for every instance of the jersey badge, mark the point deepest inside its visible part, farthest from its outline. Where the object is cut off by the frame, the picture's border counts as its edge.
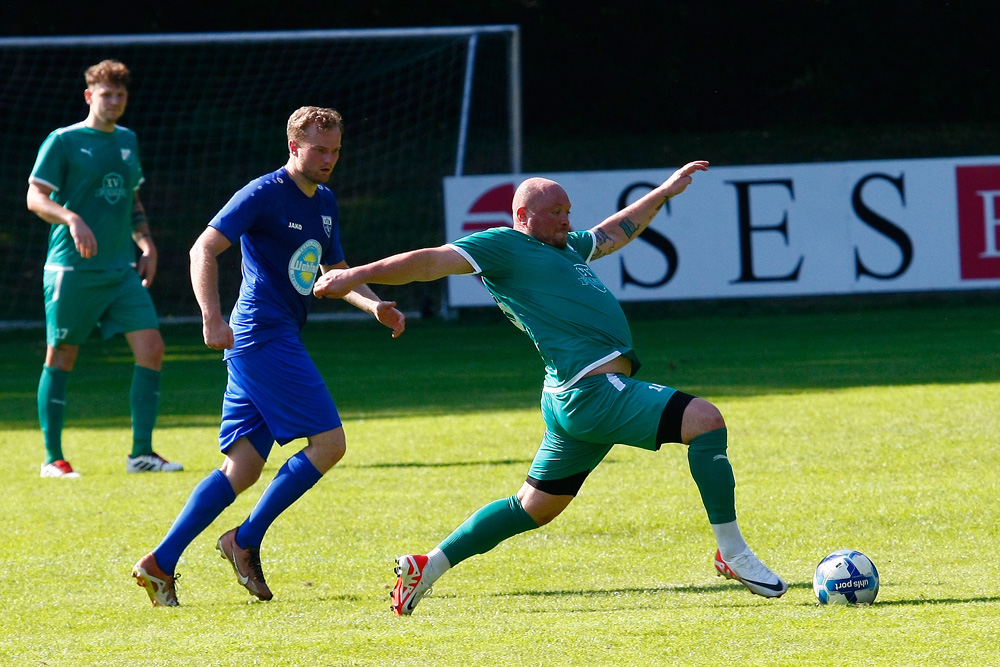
(303, 266)
(327, 224)
(112, 188)
(587, 277)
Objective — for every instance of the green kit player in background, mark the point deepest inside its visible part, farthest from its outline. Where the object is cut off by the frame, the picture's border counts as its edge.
(539, 274)
(85, 185)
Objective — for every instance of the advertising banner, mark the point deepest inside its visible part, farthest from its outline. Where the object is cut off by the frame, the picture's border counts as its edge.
(773, 230)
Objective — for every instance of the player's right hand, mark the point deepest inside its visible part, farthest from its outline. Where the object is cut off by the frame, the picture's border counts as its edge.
(83, 237)
(218, 334)
(331, 285)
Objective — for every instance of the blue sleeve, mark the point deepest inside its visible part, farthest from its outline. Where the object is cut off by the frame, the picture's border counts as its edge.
(334, 253)
(239, 213)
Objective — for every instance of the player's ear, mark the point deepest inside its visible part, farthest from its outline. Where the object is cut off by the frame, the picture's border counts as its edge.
(87, 95)
(293, 148)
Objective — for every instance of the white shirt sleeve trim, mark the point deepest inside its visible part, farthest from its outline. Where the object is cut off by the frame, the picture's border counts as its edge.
(39, 181)
(593, 247)
(476, 268)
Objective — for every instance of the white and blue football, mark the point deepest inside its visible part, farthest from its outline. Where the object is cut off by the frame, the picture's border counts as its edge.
(846, 577)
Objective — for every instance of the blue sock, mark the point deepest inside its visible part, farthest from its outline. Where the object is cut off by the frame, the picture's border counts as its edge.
(297, 476)
(212, 495)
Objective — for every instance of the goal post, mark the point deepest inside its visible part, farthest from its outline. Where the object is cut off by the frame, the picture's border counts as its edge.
(419, 104)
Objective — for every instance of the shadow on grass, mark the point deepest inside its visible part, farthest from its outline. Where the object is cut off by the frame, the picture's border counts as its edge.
(443, 464)
(713, 588)
(723, 586)
(922, 601)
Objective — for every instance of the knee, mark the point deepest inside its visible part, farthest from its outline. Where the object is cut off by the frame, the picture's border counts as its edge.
(149, 352)
(62, 358)
(540, 506)
(241, 477)
(156, 350)
(700, 416)
(326, 449)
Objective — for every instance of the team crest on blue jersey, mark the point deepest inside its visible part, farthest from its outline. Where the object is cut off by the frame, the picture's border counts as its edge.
(327, 224)
(304, 265)
(587, 277)
(126, 153)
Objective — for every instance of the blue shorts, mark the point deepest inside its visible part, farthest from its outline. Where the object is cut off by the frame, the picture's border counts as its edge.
(584, 422)
(275, 393)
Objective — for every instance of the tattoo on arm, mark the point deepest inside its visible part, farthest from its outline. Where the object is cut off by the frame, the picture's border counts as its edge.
(603, 244)
(628, 227)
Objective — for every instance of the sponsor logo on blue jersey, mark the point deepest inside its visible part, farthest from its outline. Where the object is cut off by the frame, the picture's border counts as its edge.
(303, 266)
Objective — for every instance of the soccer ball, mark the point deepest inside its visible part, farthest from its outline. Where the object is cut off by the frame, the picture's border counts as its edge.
(846, 577)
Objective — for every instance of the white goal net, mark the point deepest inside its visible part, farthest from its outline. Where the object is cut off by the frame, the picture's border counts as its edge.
(210, 113)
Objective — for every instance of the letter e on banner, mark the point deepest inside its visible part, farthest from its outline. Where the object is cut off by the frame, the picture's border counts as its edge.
(978, 193)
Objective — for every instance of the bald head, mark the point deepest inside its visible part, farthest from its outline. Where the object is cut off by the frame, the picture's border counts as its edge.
(531, 192)
(541, 210)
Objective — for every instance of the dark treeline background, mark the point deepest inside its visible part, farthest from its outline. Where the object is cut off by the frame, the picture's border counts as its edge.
(637, 84)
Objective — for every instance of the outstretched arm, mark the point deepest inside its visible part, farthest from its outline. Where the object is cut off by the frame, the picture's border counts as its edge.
(363, 298)
(421, 265)
(615, 232)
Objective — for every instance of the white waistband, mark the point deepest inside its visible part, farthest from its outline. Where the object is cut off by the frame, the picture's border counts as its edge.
(586, 369)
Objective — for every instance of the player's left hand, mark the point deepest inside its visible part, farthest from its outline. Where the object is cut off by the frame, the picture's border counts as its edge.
(680, 179)
(387, 314)
(146, 268)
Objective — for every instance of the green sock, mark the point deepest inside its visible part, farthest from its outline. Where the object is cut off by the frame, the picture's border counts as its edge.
(144, 398)
(485, 529)
(52, 410)
(713, 474)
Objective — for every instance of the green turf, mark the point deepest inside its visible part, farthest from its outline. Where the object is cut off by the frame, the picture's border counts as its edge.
(874, 430)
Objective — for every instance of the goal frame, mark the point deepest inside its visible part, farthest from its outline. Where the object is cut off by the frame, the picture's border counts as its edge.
(512, 154)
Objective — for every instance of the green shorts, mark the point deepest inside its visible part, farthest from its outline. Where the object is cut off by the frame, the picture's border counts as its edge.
(584, 422)
(77, 301)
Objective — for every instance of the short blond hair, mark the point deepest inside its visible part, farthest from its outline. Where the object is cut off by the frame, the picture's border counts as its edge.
(108, 72)
(305, 117)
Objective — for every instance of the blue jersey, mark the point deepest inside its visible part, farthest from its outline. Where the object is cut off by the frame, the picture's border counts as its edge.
(285, 236)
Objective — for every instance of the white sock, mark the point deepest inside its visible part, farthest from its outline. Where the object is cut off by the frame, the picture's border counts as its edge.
(729, 539)
(437, 564)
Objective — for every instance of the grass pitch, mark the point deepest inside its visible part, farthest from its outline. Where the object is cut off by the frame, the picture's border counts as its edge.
(874, 430)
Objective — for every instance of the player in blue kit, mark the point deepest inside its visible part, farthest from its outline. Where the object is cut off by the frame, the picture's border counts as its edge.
(539, 274)
(287, 223)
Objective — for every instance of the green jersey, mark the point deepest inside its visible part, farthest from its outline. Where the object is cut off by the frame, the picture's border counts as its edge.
(94, 174)
(552, 295)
